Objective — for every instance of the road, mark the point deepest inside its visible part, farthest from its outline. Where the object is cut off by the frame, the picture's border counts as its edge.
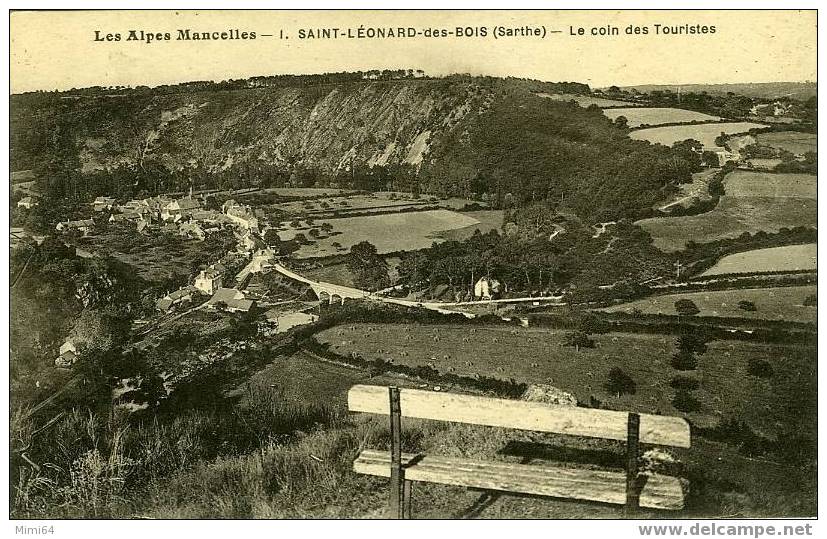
(441, 307)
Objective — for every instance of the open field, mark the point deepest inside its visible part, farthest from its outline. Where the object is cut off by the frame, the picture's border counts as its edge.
(791, 141)
(753, 201)
(787, 258)
(703, 133)
(731, 217)
(783, 303)
(537, 355)
(349, 203)
(307, 191)
(389, 232)
(488, 220)
(741, 183)
(586, 100)
(638, 116)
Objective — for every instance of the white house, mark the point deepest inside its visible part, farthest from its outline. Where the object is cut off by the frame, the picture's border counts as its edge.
(231, 300)
(177, 209)
(84, 227)
(103, 203)
(209, 280)
(486, 287)
(27, 202)
(67, 356)
(243, 217)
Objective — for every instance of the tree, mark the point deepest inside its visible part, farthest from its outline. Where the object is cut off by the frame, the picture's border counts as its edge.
(710, 159)
(692, 343)
(745, 305)
(684, 361)
(686, 307)
(578, 340)
(621, 122)
(685, 402)
(619, 382)
(684, 382)
(760, 368)
(370, 270)
(272, 238)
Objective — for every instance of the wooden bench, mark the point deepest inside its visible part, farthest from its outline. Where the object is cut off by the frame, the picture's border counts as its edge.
(628, 488)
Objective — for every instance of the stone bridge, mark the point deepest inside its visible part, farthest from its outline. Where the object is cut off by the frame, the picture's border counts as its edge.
(329, 292)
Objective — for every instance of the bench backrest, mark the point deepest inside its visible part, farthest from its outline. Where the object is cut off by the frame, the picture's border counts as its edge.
(513, 414)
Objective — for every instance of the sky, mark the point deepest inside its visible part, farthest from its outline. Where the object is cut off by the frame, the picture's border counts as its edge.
(57, 50)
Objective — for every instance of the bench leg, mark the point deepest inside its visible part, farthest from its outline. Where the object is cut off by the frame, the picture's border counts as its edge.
(632, 451)
(399, 487)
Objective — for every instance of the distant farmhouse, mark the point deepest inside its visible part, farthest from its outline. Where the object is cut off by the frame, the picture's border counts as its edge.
(486, 288)
(27, 202)
(103, 204)
(174, 299)
(210, 279)
(230, 299)
(240, 215)
(177, 209)
(85, 226)
(67, 356)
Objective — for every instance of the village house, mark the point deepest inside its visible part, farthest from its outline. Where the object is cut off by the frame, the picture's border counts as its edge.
(125, 217)
(173, 299)
(177, 209)
(230, 299)
(210, 279)
(103, 203)
(240, 215)
(192, 230)
(486, 288)
(136, 206)
(27, 202)
(67, 355)
(85, 226)
(250, 241)
(156, 205)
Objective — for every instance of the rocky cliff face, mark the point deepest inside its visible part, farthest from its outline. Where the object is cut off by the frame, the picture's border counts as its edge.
(326, 128)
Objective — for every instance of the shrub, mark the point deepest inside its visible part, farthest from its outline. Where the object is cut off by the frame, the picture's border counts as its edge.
(578, 340)
(619, 382)
(694, 344)
(685, 402)
(811, 301)
(685, 382)
(684, 361)
(745, 305)
(686, 307)
(759, 368)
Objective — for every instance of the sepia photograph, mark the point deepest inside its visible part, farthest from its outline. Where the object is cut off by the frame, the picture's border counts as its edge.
(400, 264)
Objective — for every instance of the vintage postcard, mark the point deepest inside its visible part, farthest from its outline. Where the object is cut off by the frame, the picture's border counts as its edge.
(413, 264)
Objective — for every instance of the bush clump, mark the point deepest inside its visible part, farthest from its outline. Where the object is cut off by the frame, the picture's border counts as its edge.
(745, 305)
(685, 402)
(619, 382)
(684, 361)
(686, 307)
(685, 382)
(759, 368)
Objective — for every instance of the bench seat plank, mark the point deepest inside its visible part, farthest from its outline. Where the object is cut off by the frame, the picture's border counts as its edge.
(515, 414)
(659, 491)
